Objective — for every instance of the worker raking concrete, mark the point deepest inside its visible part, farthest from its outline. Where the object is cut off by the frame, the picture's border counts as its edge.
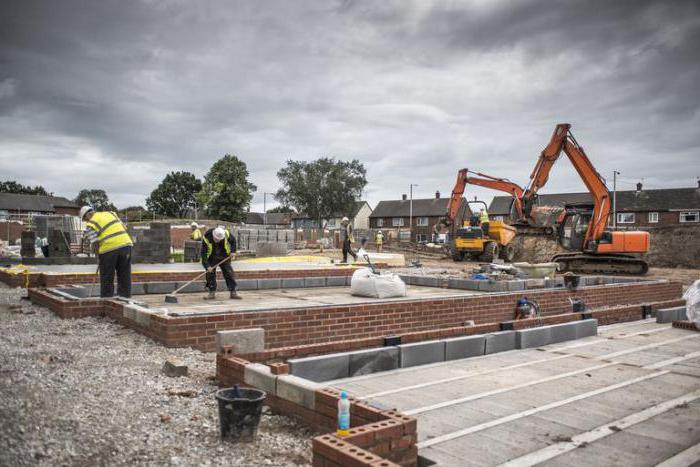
(219, 246)
(347, 239)
(112, 243)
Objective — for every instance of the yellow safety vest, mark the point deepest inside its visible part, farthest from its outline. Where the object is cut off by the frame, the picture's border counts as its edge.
(484, 216)
(196, 235)
(380, 238)
(111, 233)
(210, 247)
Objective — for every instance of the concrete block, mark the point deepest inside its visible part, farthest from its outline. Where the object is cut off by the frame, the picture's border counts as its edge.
(424, 281)
(606, 279)
(586, 328)
(421, 353)
(368, 361)
(348, 280)
(294, 283)
(464, 347)
(245, 284)
(464, 284)
(407, 279)
(174, 367)
(668, 315)
(269, 284)
(335, 281)
(159, 287)
(243, 340)
(314, 282)
(321, 368)
(534, 283)
(194, 287)
(142, 317)
(487, 286)
(129, 312)
(516, 285)
(297, 390)
(77, 291)
(624, 280)
(499, 342)
(534, 337)
(259, 376)
(563, 332)
(137, 288)
(555, 282)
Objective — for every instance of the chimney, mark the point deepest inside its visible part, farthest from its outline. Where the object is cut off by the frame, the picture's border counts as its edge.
(404, 197)
(437, 195)
(639, 186)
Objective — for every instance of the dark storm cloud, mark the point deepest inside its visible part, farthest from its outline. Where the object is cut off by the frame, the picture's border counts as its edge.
(116, 94)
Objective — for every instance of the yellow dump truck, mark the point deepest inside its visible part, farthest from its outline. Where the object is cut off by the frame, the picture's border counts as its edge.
(483, 241)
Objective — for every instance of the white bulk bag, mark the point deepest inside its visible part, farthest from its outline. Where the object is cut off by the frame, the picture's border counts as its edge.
(692, 303)
(365, 283)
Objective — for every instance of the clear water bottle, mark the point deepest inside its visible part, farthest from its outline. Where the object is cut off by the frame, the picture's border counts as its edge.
(343, 415)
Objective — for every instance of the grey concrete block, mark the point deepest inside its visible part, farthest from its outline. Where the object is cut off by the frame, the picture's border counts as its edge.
(321, 368)
(348, 280)
(563, 332)
(174, 367)
(129, 312)
(515, 285)
(553, 283)
(194, 287)
(421, 353)
(259, 376)
(314, 282)
(368, 361)
(243, 340)
(606, 279)
(137, 288)
(499, 342)
(246, 284)
(77, 291)
(159, 287)
(424, 281)
(298, 390)
(335, 281)
(624, 280)
(534, 283)
(142, 317)
(586, 328)
(487, 286)
(269, 284)
(407, 278)
(464, 347)
(293, 283)
(668, 315)
(464, 284)
(534, 337)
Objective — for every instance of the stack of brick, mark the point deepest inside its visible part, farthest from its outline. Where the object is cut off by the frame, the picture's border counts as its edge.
(193, 251)
(59, 245)
(28, 244)
(151, 245)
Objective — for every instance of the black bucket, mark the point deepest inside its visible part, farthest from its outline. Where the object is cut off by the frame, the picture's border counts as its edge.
(239, 413)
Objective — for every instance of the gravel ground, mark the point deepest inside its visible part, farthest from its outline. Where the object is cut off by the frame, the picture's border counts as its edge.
(90, 392)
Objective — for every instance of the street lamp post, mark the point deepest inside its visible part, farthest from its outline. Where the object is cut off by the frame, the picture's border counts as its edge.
(615, 174)
(265, 207)
(410, 213)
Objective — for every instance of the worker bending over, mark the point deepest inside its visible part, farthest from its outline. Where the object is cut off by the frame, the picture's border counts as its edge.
(196, 233)
(347, 239)
(112, 243)
(379, 241)
(219, 246)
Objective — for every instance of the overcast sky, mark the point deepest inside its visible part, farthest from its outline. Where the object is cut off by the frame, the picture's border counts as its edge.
(115, 94)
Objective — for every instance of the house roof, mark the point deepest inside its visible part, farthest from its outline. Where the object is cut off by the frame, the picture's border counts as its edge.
(273, 218)
(632, 200)
(430, 207)
(35, 203)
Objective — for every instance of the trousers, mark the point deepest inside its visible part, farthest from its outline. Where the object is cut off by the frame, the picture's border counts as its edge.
(227, 271)
(116, 261)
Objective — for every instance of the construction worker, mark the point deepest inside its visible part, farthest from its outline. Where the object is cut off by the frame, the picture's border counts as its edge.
(112, 243)
(379, 241)
(347, 239)
(219, 245)
(484, 220)
(196, 233)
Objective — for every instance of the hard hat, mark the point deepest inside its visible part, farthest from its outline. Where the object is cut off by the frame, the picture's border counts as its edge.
(345, 219)
(219, 233)
(84, 210)
(194, 224)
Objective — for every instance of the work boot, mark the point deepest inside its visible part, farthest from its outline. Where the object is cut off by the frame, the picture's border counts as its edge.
(234, 295)
(211, 295)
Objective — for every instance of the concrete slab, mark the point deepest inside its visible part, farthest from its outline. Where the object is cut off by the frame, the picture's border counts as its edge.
(321, 368)
(563, 332)
(421, 353)
(243, 340)
(668, 315)
(464, 347)
(534, 337)
(499, 342)
(298, 390)
(370, 361)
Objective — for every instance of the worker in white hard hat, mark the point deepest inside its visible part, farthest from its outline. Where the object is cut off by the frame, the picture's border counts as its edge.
(347, 239)
(196, 233)
(218, 245)
(112, 243)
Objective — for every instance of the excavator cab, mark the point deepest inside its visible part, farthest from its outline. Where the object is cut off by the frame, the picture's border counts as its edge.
(574, 225)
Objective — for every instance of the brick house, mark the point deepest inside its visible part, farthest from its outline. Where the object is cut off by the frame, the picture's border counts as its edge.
(395, 214)
(15, 203)
(635, 208)
(359, 217)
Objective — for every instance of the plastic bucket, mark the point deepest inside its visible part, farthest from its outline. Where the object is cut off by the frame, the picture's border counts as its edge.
(239, 414)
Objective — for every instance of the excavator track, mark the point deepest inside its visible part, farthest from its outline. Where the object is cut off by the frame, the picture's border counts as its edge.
(592, 264)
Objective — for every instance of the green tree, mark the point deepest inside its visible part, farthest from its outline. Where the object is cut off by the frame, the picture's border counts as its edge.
(321, 188)
(135, 214)
(175, 195)
(281, 209)
(11, 186)
(226, 192)
(96, 198)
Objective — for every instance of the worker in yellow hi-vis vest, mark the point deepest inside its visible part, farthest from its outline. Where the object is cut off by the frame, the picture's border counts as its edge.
(112, 243)
(196, 233)
(484, 220)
